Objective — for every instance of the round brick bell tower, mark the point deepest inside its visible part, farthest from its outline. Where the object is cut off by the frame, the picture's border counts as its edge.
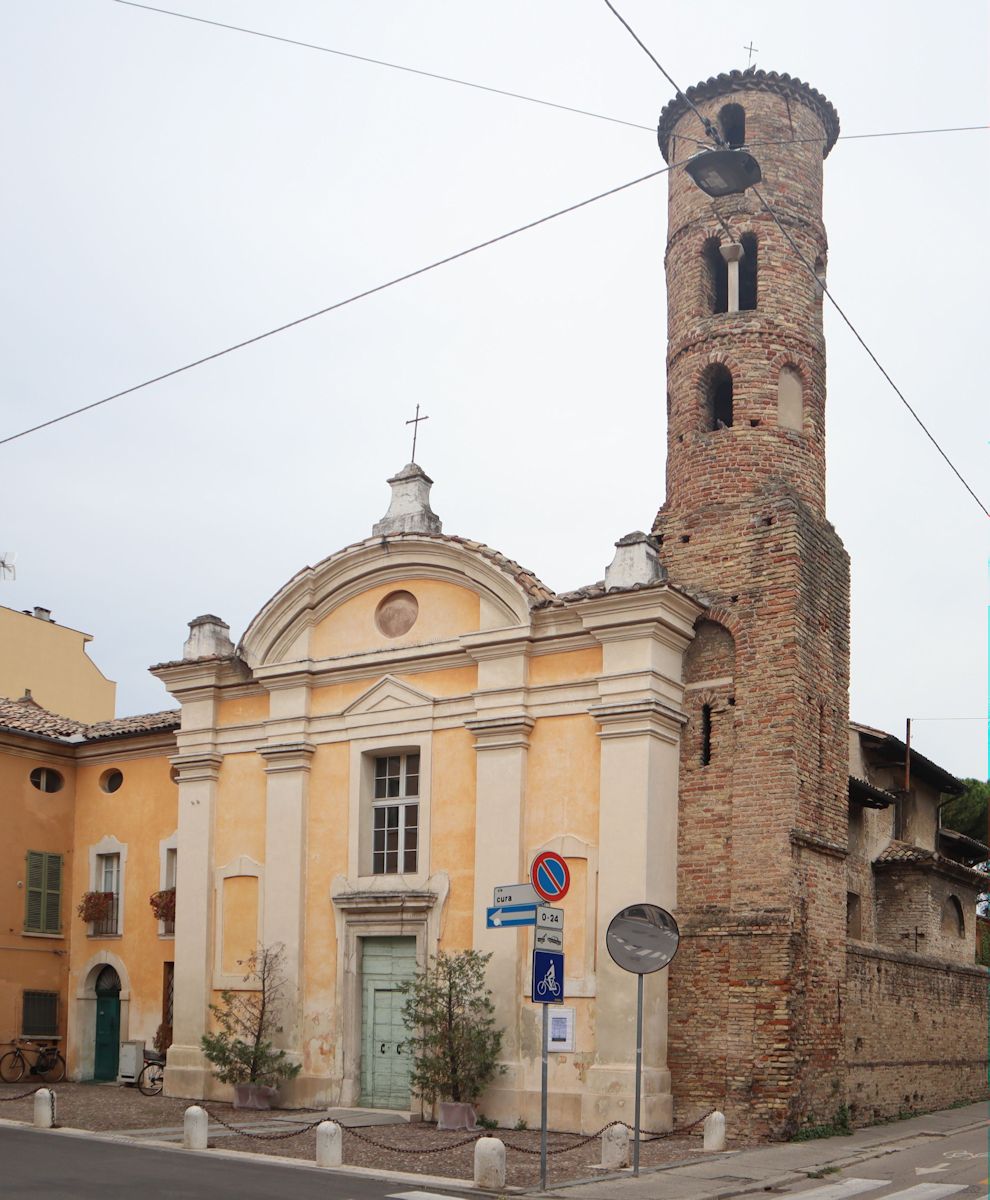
(755, 1010)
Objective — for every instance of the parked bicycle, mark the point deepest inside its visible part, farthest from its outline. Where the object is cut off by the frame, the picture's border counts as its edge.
(48, 1064)
(152, 1078)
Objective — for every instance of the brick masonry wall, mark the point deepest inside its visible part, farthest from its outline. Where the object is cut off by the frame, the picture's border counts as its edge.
(755, 991)
(911, 1027)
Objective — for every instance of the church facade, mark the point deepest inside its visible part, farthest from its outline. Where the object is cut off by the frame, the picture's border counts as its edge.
(407, 724)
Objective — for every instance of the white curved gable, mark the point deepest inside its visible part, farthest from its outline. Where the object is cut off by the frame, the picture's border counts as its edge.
(283, 631)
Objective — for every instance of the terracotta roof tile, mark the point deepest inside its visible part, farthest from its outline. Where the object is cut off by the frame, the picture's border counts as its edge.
(27, 716)
(904, 852)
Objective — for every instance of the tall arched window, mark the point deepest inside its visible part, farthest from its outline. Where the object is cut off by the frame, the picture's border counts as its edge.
(732, 118)
(953, 921)
(747, 272)
(718, 398)
(715, 278)
(790, 400)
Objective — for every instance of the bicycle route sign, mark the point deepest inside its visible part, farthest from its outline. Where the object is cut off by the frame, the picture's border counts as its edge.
(550, 876)
(548, 977)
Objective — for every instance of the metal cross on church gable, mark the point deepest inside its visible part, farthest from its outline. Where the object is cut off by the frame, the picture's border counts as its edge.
(414, 422)
(752, 50)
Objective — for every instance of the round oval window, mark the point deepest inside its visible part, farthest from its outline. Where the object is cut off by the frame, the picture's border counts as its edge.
(111, 780)
(46, 779)
(397, 613)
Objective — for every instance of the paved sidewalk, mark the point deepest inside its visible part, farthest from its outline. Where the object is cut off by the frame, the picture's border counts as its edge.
(734, 1173)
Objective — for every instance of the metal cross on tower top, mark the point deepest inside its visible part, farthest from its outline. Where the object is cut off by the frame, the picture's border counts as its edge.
(752, 50)
(414, 422)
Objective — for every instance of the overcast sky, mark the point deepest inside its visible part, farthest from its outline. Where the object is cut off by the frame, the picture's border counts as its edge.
(171, 188)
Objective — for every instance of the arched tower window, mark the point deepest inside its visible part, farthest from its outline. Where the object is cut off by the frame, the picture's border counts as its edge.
(953, 921)
(715, 278)
(747, 272)
(732, 118)
(790, 400)
(718, 398)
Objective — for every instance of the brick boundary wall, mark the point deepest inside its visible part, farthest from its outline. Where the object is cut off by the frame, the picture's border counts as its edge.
(916, 1032)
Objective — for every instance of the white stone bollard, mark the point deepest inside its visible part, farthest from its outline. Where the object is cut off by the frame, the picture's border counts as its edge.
(195, 1128)
(329, 1144)
(615, 1147)
(489, 1164)
(715, 1132)
(44, 1108)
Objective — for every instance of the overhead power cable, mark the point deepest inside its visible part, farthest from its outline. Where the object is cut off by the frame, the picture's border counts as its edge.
(706, 124)
(483, 87)
(859, 338)
(927, 432)
(381, 287)
(378, 62)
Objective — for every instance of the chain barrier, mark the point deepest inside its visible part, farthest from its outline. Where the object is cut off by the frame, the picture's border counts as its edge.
(263, 1137)
(652, 1135)
(363, 1137)
(23, 1095)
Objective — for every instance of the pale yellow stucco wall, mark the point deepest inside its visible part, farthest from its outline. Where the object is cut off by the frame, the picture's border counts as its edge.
(561, 668)
(240, 813)
(460, 681)
(452, 804)
(51, 661)
(326, 840)
(242, 710)
(445, 611)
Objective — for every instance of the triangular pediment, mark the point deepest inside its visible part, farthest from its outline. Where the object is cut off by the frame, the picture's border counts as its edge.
(388, 695)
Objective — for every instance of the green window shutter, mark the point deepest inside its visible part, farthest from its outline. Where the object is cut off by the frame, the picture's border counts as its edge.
(53, 893)
(34, 901)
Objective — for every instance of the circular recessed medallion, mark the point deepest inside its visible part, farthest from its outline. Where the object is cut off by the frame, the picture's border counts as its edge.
(397, 613)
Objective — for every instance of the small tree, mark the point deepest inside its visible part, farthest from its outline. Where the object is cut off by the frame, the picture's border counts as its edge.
(241, 1049)
(455, 1044)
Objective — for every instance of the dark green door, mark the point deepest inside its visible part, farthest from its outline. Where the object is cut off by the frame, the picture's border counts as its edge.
(107, 1024)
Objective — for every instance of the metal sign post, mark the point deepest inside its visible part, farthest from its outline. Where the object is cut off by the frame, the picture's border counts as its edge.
(642, 939)
(543, 1098)
(548, 988)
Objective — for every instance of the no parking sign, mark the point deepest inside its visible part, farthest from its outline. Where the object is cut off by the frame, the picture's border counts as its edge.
(550, 876)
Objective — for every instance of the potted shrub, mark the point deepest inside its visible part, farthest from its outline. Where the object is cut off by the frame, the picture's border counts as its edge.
(163, 905)
(455, 1045)
(241, 1048)
(95, 906)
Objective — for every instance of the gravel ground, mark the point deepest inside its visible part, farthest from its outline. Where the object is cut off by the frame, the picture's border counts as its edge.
(416, 1148)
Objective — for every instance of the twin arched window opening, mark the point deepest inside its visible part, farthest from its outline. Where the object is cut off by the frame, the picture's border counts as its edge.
(718, 398)
(730, 272)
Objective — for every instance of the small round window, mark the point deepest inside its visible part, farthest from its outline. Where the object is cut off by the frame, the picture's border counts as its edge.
(46, 779)
(111, 780)
(396, 614)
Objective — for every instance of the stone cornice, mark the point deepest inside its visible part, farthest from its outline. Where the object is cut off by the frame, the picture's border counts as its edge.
(811, 841)
(197, 768)
(664, 613)
(633, 718)
(497, 643)
(287, 756)
(384, 903)
(184, 678)
(501, 733)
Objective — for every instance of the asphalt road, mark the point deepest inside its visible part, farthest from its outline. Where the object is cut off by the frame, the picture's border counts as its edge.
(934, 1168)
(34, 1163)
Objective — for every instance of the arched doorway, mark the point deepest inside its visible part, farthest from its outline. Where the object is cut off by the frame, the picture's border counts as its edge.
(107, 1048)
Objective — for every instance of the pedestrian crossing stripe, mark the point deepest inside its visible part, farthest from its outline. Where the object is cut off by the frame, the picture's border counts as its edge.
(419, 1196)
(841, 1189)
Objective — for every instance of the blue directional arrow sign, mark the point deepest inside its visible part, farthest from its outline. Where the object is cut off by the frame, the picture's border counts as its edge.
(508, 916)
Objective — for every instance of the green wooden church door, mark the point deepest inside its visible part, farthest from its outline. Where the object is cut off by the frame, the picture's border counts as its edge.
(385, 1059)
